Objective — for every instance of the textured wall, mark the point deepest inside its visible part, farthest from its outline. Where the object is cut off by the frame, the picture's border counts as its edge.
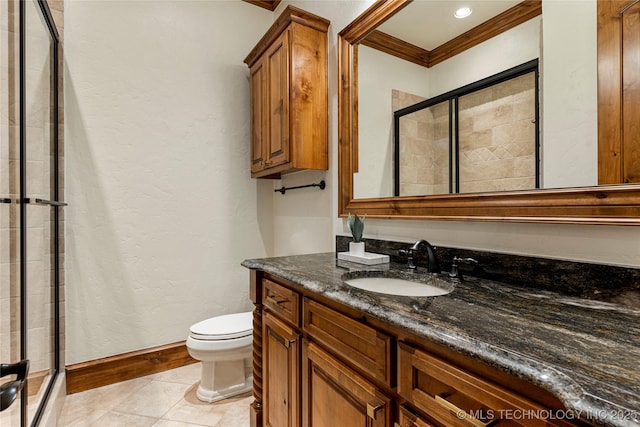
(162, 209)
(569, 104)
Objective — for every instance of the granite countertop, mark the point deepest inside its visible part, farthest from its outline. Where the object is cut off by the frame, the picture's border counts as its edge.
(585, 352)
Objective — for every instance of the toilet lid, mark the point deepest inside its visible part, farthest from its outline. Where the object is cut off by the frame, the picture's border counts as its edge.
(224, 327)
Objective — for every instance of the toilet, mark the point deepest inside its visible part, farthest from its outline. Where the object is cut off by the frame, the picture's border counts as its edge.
(224, 345)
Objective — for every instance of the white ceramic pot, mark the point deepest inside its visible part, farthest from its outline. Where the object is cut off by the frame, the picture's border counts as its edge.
(356, 248)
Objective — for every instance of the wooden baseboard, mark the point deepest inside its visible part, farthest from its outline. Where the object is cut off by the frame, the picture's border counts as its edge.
(109, 370)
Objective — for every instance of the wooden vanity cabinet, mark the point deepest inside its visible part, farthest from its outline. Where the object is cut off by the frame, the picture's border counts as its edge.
(321, 364)
(289, 98)
(280, 355)
(335, 395)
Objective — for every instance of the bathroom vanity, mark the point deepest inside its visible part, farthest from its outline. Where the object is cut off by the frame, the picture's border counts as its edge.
(487, 353)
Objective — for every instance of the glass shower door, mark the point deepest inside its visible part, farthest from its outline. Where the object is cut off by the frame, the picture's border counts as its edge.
(38, 159)
(29, 260)
(10, 291)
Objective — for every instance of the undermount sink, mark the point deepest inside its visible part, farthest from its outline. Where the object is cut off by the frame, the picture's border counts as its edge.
(410, 284)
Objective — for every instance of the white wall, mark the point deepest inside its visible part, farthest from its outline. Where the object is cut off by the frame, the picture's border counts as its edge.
(377, 77)
(162, 209)
(570, 98)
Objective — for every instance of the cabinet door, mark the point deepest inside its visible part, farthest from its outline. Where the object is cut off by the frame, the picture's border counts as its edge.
(281, 381)
(334, 395)
(277, 58)
(259, 116)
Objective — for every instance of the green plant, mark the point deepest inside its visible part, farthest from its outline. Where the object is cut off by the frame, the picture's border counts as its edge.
(356, 225)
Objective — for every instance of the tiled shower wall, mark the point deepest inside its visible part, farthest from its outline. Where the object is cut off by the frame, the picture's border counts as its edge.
(496, 137)
(424, 147)
(39, 218)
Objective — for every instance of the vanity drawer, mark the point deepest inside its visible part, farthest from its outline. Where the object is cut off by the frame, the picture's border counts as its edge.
(361, 345)
(457, 398)
(409, 419)
(281, 301)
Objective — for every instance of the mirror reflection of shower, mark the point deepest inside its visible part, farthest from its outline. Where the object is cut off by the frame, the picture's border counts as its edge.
(482, 137)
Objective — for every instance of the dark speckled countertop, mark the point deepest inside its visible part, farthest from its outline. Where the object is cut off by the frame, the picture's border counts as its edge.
(585, 352)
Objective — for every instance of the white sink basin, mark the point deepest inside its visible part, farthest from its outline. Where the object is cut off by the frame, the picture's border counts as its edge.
(397, 286)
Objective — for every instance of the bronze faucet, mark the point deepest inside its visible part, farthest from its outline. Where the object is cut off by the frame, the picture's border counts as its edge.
(433, 266)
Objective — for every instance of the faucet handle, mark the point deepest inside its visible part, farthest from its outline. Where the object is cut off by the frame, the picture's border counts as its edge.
(468, 261)
(455, 271)
(409, 254)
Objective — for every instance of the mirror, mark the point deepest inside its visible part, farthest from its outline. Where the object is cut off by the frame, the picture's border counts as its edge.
(569, 113)
(380, 73)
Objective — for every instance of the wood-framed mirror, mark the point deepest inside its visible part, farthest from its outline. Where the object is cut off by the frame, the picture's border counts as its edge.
(589, 204)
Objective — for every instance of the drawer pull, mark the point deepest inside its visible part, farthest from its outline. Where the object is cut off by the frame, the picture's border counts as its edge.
(372, 410)
(277, 301)
(462, 414)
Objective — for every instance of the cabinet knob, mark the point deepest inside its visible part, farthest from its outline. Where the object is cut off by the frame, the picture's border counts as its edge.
(372, 410)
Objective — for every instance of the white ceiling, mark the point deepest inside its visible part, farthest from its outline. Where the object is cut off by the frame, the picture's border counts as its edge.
(430, 23)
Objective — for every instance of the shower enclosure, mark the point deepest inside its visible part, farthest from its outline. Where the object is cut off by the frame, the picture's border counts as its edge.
(30, 210)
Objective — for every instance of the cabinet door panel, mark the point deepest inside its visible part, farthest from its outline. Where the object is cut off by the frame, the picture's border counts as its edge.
(334, 395)
(281, 353)
(308, 101)
(259, 117)
(278, 60)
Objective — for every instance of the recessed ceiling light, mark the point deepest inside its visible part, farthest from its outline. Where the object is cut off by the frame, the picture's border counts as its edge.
(463, 12)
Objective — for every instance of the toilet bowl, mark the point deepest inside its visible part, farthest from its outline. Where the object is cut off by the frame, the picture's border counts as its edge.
(224, 345)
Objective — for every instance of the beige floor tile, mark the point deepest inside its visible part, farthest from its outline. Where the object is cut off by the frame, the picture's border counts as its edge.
(116, 419)
(82, 409)
(236, 413)
(168, 423)
(167, 399)
(154, 399)
(79, 415)
(189, 374)
(192, 410)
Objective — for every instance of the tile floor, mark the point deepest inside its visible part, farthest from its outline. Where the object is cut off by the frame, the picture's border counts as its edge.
(167, 399)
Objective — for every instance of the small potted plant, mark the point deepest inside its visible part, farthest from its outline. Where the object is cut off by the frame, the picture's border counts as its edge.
(356, 226)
